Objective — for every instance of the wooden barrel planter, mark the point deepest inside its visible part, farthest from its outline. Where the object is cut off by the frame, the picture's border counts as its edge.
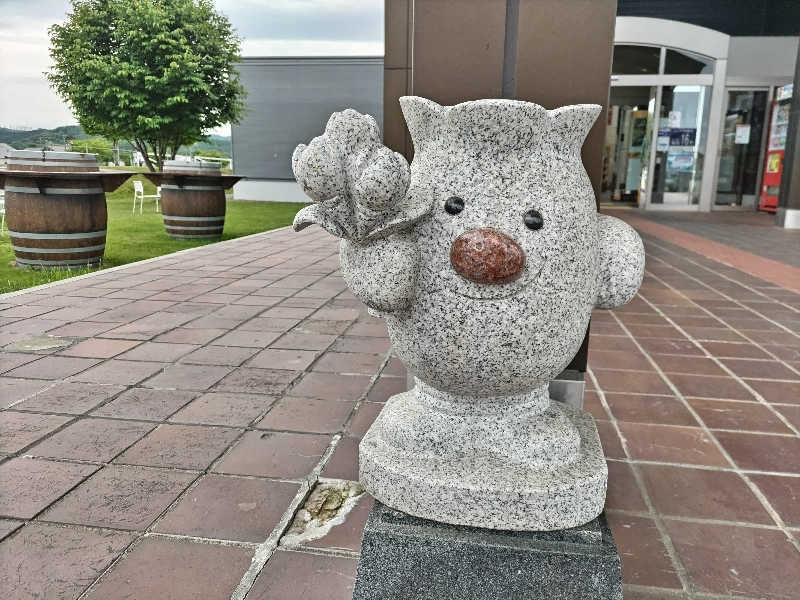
(192, 198)
(56, 208)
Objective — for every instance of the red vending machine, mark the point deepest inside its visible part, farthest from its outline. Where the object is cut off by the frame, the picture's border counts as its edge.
(776, 144)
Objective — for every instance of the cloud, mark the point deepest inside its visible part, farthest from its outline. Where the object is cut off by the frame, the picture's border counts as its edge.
(269, 28)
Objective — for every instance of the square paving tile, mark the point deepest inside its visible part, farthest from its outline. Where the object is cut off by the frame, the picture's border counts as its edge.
(268, 324)
(51, 561)
(188, 377)
(307, 415)
(231, 356)
(662, 410)
(52, 367)
(230, 508)
(91, 439)
(343, 463)
(123, 372)
(37, 483)
(704, 386)
(219, 408)
(248, 339)
(272, 454)
(364, 345)
(159, 351)
(347, 535)
(292, 360)
(783, 493)
(145, 403)
(623, 491)
(11, 360)
(121, 497)
(70, 398)
(9, 526)
(644, 558)
(190, 336)
(762, 452)
(730, 560)
(99, 348)
(702, 493)
(304, 341)
(631, 381)
(386, 387)
(732, 350)
(348, 362)
(616, 359)
(688, 364)
(668, 443)
(363, 418)
(329, 386)
(174, 569)
(612, 446)
(259, 381)
(18, 429)
(746, 416)
(180, 446)
(780, 392)
(760, 369)
(293, 575)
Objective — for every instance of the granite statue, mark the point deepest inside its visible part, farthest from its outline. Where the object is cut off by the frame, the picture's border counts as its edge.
(486, 257)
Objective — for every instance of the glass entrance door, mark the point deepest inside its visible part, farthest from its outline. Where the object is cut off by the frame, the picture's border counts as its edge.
(680, 145)
(741, 147)
(628, 143)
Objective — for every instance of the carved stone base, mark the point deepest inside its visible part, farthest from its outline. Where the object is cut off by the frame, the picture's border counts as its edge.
(524, 463)
(407, 558)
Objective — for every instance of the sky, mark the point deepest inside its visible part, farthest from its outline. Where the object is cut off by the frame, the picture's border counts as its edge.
(269, 28)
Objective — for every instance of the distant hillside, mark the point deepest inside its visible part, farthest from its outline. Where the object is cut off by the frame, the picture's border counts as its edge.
(20, 139)
(35, 138)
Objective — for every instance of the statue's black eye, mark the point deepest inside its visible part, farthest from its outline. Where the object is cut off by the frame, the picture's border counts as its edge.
(454, 205)
(533, 219)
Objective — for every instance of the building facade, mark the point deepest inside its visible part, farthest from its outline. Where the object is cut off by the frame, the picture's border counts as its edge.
(692, 120)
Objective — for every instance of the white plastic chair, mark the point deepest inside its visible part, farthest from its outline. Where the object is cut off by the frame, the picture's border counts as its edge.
(138, 193)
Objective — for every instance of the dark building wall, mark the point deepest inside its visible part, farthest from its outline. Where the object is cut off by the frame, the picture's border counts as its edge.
(734, 17)
(289, 101)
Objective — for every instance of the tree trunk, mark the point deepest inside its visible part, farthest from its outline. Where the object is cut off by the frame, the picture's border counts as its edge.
(141, 146)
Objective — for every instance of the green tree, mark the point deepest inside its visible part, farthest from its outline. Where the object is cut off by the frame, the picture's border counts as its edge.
(158, 73)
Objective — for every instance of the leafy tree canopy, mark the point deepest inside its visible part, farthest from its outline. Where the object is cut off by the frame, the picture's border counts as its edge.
(159, 73)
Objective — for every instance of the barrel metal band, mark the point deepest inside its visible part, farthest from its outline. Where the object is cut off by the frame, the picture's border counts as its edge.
(54, 191)
(56, 236)
(193, 227)
(176, 218)
(79, 261)
(58, 250)
(170, 186)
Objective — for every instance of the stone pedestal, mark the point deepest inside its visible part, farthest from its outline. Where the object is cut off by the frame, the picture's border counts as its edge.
(408, 558)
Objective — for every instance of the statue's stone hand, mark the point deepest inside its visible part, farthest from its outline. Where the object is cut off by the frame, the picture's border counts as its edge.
(383, 272)
(358, 184)
(621, 262)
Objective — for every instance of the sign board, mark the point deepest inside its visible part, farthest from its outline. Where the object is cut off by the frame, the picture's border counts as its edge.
(682, 136)
(680, 162)
(742, 134)
(774, 163)
(674, 118)
(662, 141)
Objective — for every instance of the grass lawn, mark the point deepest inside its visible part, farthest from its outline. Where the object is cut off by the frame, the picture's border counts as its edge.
(136, 237)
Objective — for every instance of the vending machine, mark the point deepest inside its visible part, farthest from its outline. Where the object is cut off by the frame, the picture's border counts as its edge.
(776, 144)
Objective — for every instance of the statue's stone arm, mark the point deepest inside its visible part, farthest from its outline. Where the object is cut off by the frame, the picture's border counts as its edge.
(360, 191)
(621, 262)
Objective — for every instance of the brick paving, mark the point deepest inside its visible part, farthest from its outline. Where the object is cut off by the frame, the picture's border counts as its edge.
(162, 450)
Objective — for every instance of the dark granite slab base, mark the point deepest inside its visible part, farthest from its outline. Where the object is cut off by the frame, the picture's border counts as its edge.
(408, 558)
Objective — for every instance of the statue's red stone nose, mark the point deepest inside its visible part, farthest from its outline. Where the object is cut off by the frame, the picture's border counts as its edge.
(487, 256)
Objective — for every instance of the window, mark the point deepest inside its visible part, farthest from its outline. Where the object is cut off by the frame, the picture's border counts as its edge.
(635, 60)
(685, 63)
